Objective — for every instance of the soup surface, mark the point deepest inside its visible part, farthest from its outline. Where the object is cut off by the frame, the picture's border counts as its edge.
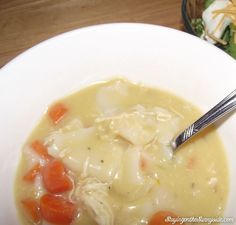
(101, 157)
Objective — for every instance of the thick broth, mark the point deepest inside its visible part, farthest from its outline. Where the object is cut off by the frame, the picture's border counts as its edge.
(113, 141)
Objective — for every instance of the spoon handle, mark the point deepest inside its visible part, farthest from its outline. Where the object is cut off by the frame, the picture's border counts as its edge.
(221, 109)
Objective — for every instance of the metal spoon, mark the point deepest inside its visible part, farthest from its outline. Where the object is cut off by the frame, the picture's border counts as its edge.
(221, 109)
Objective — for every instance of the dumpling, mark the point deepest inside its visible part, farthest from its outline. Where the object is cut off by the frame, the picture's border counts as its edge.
(110, 99)
(136, 184)
(82, 147)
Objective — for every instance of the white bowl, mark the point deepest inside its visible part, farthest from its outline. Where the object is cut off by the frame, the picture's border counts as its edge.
(157, 56)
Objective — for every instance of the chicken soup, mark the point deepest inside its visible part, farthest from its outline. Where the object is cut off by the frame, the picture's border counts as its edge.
(102, 157)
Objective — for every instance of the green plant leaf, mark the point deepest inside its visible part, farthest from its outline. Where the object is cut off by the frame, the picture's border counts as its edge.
(208, 3)
(198, 26)
(230, 48)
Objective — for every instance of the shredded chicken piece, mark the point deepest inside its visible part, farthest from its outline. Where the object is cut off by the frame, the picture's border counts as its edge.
(93, 194)
(139, 126)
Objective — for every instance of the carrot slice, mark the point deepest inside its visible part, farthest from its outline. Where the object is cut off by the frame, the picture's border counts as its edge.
(160, 218)
(32, 173)
(143, 163)
(192, 162)
(57, 210)
(57, 112)
(41, 150)
(55, 178)
(32, 209)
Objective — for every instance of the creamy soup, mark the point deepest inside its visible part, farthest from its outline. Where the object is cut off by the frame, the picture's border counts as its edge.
(102, 157)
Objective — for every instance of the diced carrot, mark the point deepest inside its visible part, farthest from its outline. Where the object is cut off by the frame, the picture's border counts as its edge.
(57, 210)
(32, 173)
(191, 163)
(41, 150)
(55, 178)
(160, 218)
(143, 163)
(57, 112)
(31, 209)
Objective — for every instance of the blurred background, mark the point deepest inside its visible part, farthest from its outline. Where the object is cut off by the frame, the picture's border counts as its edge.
(24, 23)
